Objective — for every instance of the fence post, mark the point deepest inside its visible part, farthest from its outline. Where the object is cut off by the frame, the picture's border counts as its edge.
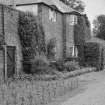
(5, 63)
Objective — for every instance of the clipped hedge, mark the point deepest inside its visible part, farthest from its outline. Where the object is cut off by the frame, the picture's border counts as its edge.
(93, 55)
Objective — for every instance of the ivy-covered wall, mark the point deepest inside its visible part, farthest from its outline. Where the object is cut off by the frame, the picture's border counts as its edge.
(82, 33)
(32, 38)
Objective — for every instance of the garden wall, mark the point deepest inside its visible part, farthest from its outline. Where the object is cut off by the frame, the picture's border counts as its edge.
(25, 92)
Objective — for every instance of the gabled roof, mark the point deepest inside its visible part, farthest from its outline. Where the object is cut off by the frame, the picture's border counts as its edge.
(60, 6)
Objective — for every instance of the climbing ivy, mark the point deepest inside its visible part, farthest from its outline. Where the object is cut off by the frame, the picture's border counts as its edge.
(31, 35)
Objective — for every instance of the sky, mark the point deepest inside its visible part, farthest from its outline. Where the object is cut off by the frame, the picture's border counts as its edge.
(94, 8)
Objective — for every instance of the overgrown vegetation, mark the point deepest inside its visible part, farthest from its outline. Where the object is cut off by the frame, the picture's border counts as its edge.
(78, 5)
(82, 33)
(67, 66)
(92, 55)
(35, 60)
(99, 27)
(32, 38)
(31, 35)
(71, 66)
(82, 30)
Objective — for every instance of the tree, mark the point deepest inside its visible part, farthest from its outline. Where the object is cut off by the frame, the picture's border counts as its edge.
(75, 4)
(99, 27)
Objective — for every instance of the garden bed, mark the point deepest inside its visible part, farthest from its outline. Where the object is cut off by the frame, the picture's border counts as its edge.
(57, 76)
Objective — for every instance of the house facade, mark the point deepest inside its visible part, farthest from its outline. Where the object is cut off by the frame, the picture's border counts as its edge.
(58, 22)
(10, 46)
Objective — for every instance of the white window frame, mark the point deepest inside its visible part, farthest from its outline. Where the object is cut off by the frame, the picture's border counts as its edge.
(52, 15)
(74, 51)
(72, 20)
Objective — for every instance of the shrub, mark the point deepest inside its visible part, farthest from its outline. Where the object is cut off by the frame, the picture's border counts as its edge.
(59, 65)
(31, 36)
(39, 64)
(71, 65)
(51, 46)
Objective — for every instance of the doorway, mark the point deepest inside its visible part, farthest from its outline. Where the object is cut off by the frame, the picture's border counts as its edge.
(11, 61)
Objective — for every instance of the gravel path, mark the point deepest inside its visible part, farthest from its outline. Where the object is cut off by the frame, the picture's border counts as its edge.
(93, 91)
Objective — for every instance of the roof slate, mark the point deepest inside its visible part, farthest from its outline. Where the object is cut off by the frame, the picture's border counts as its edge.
(61, 6)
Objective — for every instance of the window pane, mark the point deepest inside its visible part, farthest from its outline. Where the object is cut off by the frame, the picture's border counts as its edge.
(52, 15)
(76, 52)
(71, 51)
(73, 19)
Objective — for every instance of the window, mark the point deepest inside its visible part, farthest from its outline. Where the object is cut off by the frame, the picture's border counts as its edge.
(73, 19)
(52, 49)
(74, 51)
(52, 15)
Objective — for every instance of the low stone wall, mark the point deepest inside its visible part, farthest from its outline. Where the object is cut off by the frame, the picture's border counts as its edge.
(25, 92)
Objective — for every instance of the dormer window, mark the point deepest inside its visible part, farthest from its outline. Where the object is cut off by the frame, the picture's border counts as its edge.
(52, 15)
(73, 20)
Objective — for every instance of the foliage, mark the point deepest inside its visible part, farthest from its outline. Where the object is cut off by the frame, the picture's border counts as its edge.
(71, 66)
(40, 64)
(99, 27)
(75, 4)
(86, 20)
(58, 65)
(82, 31)
(79, 30)
(92, 55)
(65, 66)
(31, 35)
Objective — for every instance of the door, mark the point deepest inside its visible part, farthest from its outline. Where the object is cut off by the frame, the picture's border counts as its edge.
(10, 61)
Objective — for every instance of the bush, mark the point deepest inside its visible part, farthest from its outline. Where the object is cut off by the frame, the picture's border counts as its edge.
(71, 66)
(39, 64)
(59, 65)
(31, 36)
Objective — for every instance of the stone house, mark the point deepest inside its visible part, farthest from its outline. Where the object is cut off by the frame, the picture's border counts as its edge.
(58, 22)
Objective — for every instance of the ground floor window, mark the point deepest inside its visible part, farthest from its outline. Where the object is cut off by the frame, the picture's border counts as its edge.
(73, 51)
(52, 49)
